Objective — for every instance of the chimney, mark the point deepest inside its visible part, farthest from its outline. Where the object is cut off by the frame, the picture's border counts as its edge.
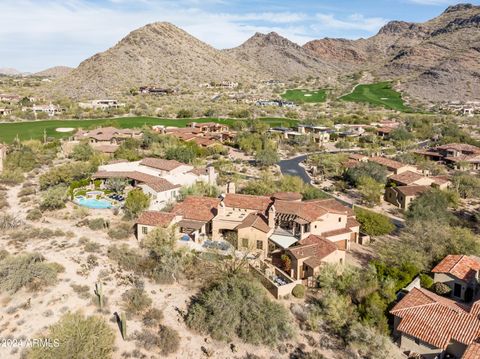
(231, 187)
(271, 216)
(212, 176)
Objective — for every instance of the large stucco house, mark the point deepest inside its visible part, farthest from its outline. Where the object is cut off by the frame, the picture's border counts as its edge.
(456, 155)
(461, 274)
(436, 327)
(159, 178)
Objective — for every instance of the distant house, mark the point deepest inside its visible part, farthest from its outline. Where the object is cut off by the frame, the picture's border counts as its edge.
(5, 111)
(287, 133)
(101, 104)
(156, 90)
(402, 196)
(51, 110)
(107, 135)
(320, 134)
(461, 274)
(394, 167)
(456, 155)
(205, 134)
(432, 326)
(9, 99)
(275, 103)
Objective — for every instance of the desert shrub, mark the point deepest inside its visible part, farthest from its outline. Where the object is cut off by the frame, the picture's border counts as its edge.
(298, 291)
(82, 152)
(66, 174)
(9, 221)
(127, 258)
(24, 199)
(367, 169)
(90, 246)
(441, 288)
(374, 224)
(54, 198)
(12, 177)
(34, 214)
(79, 337)
(152, 317)
(29, 271)
(122, 231)
(83, 291)
(27, 191)
(135, 301)
(426, 281)
(224, 310)
(96, 224)
(165, 339)
(92, 260)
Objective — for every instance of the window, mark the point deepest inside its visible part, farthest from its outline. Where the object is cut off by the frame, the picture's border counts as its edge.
(417, 341)
(144, 230)
(260, 245)
(339, 219)
(245, 242)
(457, 290)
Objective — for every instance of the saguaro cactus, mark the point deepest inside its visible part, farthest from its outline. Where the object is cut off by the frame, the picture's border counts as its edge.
(99, 293)
(123, 323)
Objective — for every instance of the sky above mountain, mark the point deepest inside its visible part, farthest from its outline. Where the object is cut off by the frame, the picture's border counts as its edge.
(36, 34)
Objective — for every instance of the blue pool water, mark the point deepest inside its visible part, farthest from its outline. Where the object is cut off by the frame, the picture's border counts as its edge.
(93, 203)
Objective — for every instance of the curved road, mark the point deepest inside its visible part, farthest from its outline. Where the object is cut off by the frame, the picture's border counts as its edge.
(291, 167)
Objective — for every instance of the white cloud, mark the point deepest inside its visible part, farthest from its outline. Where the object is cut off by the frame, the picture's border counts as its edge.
(351, 22)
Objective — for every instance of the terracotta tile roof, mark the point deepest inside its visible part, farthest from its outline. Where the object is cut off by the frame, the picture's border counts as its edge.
(309, 211)
(255, 220)
(332, 205)
(161, 185)
(203, 141)
(319, 248)
(336, 232)
(385, 129)
(199, 171)
(352, 222)
(412, 190)
(357, 156)
(387, 162)
(156, 183)
(313, 262)
(161, 164)
(156, 218)
(463, 267)
(190, 224)
(245, 201)
(472, 352)
(287, 196)
(406, 178)
(107, 133)
(197, 208)
(435, 320)
(461, 147)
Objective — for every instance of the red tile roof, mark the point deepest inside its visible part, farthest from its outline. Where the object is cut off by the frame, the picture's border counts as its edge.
(387, 162)
(161, 164)
(245, 201)
(156, 218)
(461, 147)
(406, 178)
(317, 247)
(463, 267)
(255, 220)
(156, 183)
(161, 185)
(197, 208)
(435, 320)
(472, 352)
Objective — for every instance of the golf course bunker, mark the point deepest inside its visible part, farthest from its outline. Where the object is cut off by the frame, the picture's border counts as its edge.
(64, 129)
(308, 94)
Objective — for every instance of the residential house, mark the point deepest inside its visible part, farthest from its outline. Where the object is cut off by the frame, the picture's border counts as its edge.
(402, 196)
(456, 155)
(205, 134)
(286, 133)
(51, 110)
(461, 274)
(393, 167)
(320, 134)
(101, 104)
(432, 326)
(156, 90)
(9, 99)
(161, 179)
(5, 111)
(192, 219)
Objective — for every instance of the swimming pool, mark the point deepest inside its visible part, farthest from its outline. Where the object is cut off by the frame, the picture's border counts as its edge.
(93, 202)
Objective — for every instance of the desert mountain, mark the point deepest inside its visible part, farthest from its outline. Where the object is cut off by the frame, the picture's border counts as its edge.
(281, 58)
(54, 72)
(9, 71)
(438, 60)
(158, 53)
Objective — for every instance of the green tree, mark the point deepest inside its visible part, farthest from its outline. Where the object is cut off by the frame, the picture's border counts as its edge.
(129, 150)
(372, 223)
(116, 184)
(136, 202)
(432, 205)
(266, 157)
(328, 164)
(370, 190)
(82, 152)
(54, 198)
(185, 113)
(467, 185)
(368, 169)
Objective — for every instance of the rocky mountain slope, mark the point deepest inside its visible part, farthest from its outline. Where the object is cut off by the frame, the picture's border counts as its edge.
(281, 58)
(9, 71)
(54, 72)
(159, 54)
(438, 60)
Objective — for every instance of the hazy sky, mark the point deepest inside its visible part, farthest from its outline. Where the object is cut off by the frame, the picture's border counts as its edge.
(36, 34)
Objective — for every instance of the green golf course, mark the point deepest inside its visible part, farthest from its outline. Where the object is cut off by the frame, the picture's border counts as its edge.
(36, 129)
(378, 94)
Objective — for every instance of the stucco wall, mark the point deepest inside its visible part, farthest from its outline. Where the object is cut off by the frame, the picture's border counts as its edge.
(252, 235)
(450, 281)
(427, 351)
(328, 222)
